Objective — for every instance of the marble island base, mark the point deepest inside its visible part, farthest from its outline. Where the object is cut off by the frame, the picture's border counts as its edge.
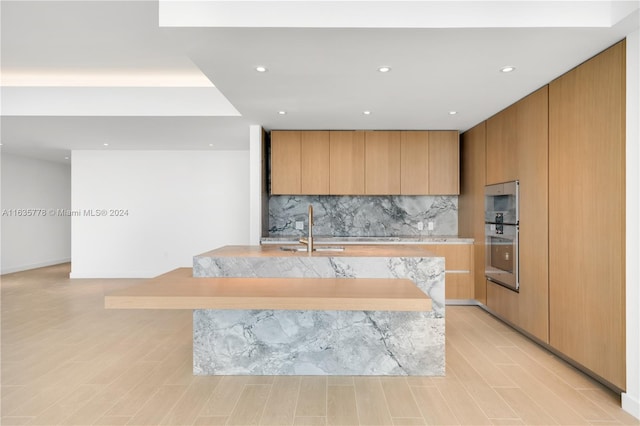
(317, 342)
(268, 342)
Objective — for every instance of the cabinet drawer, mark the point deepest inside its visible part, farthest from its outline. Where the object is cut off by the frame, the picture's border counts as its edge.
(457, 256)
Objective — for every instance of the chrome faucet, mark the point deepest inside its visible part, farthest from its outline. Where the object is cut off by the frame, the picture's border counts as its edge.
(309, 240)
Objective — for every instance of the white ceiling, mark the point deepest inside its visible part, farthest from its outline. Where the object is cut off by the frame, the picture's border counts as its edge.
(78, 74)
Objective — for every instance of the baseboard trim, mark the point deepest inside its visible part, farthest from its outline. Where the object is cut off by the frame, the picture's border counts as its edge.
(31, 266)
(114, 274)
(461, 302)
(631, 405)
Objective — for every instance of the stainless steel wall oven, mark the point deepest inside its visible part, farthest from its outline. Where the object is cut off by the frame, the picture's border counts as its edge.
(502, 221)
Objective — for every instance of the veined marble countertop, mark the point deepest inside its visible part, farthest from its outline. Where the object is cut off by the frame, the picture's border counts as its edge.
(361, 250)
(371, 240)
(326, 342)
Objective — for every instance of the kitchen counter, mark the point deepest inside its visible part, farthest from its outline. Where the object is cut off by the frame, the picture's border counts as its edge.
(350, 251)
(418, 240)
(179, 289)
(327, 342)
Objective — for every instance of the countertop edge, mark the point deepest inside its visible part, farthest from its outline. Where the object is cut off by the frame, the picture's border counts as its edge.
(372, 240)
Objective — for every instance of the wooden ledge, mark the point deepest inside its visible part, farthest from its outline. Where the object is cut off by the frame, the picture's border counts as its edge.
(178, 289)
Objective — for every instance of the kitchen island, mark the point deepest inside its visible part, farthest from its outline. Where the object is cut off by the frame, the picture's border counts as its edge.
(322, 342)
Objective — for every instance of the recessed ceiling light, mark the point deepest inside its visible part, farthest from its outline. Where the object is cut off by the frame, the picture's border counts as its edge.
(105, 144)
(282, 112)
(66, 158)
(453, 112)
(507, 69)
(210, 144)
(366, 112)
(261, 69)
(384, 69)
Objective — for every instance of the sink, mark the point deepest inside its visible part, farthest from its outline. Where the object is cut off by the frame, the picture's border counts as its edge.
(293, 248)
(316, 248)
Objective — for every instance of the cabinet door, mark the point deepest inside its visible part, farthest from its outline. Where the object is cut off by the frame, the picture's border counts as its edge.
(501, 147)
(533, 158)
(587, 214)
(444, 163)
(414, 163)
(471, 201)
(285, 162)
(346, 175)
(382, 162)
(314, 152)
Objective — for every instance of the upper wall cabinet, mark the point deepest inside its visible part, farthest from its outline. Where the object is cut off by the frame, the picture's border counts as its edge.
(444, 162)
(414, 162)
(501, 147)
(382, 163)
(430, 162)
(299, 162)
(285, 162)
(346, 165)
(314, 157)
(364, 162)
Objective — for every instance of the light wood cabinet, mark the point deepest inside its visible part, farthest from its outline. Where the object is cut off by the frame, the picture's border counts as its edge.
(346, 165)
(587, 214)
(299, 162)
(444, 163)
(503, 302)
(526, 124)
(532, 117)
(382, 162)
(459, 268)
(430, 162)
(524, 128)
(332, 162)
(285, 162)
(501, 147)
(314, 160)
(471, 201)
(414, 162)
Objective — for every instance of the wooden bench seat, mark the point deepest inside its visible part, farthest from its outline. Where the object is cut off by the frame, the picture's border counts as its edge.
(178, 289)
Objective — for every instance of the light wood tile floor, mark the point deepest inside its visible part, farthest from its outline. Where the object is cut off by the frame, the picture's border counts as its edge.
(68, 361)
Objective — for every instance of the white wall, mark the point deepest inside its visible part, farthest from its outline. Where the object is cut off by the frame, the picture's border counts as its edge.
(631, 398)
(34, 241)
(179, 204)
(256, 162)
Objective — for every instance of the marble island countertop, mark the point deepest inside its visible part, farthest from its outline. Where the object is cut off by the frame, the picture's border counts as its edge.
(326, 342)
(273, 250)
(423, 240)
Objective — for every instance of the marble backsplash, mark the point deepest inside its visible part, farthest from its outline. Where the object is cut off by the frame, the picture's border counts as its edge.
(364, 216)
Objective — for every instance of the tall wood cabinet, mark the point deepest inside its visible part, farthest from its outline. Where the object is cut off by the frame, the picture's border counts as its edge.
(532, 156)
(471, 201)
(587, 212)
(522, 131)
(525, 126)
